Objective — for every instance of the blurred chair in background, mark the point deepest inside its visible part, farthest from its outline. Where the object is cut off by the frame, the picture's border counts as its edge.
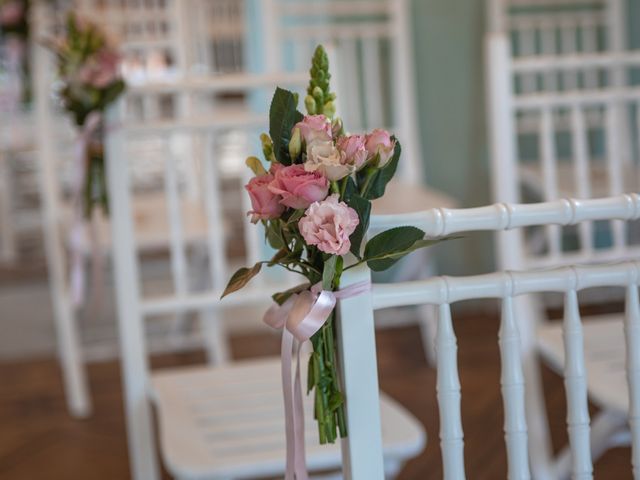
(155, 47)
(563, 101)
(580, 373)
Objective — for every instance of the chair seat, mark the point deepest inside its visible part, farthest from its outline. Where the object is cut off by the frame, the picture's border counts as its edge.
(228, 422)
(604, 352)
(151, 222)
(403, 197)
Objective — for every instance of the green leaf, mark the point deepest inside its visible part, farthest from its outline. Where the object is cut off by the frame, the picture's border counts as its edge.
(386, 248)
(282, 297)
(350, 189)
(241, 278)
(384, 175)
(363, 208)
(255, 165)
(335, 400)
(274, 235)
(282, 117)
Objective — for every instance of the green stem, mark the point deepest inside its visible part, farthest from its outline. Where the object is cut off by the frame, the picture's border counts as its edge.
(343, 187)
(367, 182)
(334, 187)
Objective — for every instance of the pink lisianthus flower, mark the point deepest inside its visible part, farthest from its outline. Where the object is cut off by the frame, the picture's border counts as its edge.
(353, 150)
(328, 225)
(380, 142)
(324, 157)
(314, 128)
(264, 203)
(101, 70)
(297, 187)
(11, 13)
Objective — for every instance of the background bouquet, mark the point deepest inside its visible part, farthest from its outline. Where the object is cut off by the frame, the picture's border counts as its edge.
(314, 201)
(89, 70)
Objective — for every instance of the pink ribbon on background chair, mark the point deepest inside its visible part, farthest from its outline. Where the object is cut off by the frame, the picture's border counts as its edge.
(301, 316)
(78, 236)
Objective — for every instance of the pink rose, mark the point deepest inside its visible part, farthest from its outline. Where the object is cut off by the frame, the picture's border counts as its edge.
(380, 142)
(265, 204)
(328, 225)
(101, 70)
(11, 13)
(314, 128)
(297, 187)
(353, 150)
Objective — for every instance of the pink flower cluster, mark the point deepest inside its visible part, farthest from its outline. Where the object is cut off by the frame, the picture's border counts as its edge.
(101, 70)
(11, 13)
(327, 222)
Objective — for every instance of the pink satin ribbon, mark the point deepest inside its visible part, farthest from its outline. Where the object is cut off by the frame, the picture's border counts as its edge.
(301, 316)
(78, 236)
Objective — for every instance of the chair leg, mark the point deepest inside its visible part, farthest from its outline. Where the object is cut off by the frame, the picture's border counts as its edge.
(7, 239)
(603, 429)
(71, 361)
(215, 337)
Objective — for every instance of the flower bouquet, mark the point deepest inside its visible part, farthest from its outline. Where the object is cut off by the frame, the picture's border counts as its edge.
(314, 201)
(89, 70)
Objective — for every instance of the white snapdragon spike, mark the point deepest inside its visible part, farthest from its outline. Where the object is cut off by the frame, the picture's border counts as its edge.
(323, 156)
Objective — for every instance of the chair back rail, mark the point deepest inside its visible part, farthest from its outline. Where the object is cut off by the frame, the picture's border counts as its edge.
(507, 286)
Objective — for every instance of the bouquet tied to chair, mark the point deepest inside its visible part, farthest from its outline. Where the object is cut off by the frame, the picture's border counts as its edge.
(88, 67)
(314, 201)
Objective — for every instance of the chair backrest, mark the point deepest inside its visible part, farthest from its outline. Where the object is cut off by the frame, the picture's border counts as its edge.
(370, 49)
(564, 123)
(358, 344)
(215, 231)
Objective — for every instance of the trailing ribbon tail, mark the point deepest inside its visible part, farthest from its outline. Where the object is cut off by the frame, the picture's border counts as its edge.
(78, 233)
(300, 317)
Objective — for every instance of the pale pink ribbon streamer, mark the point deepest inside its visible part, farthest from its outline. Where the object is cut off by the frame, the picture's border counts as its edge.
(301, 316)
(78, 234)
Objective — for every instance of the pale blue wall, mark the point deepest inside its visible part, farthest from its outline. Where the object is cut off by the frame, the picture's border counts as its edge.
(449, 68)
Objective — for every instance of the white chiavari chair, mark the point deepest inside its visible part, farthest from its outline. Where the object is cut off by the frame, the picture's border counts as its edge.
(370, 51)
(572, 133)
(362, 457)
(156, 49)
(222, 421)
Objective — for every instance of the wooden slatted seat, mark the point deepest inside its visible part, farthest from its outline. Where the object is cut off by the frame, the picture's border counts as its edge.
(213, 420)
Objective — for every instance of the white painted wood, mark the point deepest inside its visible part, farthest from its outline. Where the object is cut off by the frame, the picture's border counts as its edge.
(549, 161)
(362, 449)
(74, 375)
(449, 396)
(581, 166)
(576, 390)
(513, 394)
(632, 335)
(614, 163)
(134, 361)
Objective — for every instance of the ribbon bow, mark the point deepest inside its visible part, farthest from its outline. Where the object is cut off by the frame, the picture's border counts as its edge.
(301, 316)
(78, 234)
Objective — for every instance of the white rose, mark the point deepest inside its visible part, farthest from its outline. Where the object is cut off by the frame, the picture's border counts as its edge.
(326, 158)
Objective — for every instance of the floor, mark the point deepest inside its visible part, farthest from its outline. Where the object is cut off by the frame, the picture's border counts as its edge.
(38, 439)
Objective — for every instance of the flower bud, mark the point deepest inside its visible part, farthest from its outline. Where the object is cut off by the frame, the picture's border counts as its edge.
(295, 144)
(318, 95)
(310, 104)
(267, 147)
(337, 128)
(329, 109)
